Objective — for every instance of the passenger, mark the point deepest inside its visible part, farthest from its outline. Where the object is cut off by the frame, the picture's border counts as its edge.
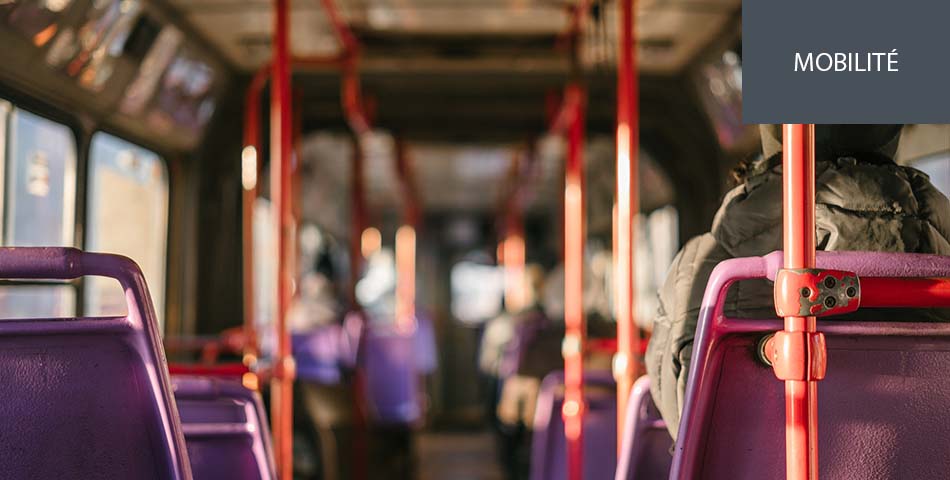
(864, 201)
(326, 417)
(533, 353)
(502, 350)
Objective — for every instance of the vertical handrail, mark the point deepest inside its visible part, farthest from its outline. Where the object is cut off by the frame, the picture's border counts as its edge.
(801, 396)
(512, 254)
(280, 125)
(626, 363)
(406, 242)
(250, 175)
(575, 329)
(357, 219)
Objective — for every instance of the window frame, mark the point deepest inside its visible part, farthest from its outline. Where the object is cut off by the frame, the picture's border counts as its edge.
(86, 191)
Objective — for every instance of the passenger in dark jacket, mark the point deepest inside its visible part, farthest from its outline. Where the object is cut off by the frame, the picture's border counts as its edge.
(864, 201)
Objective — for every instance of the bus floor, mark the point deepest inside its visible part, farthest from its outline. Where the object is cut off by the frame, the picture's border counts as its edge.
(457, 455)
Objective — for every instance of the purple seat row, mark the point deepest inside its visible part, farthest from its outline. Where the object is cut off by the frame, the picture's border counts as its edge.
(393, 362)
(86, 397)
(225, 427)
(882, 405)
(91, 397)
(548, 444)
(645, 448)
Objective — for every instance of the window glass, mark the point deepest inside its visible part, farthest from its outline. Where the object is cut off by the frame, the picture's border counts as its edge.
(656, 244)
(40, 182)
(37, 301)
(376, 289)
(38, 161)
(265, 273)
(720, 90)
(938, 168)
(477, 291)
(127, 207)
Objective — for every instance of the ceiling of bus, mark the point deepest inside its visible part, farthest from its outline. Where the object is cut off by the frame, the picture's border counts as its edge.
(465, 82)
(671, 32)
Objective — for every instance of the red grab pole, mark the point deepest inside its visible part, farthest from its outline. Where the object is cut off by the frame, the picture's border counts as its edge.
(281, 191)
(801, 393)
(250, 169)
(887, 292)
(406, 242)
(358, 220)
(575, 331)
(626, 361)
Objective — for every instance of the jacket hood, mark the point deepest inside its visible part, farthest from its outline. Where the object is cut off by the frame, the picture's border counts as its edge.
(860, 205)
(839, 139)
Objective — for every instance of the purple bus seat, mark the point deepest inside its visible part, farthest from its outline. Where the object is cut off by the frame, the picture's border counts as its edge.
(548, 444)
(320, 353)
(86, 397)
(427, 356)
(526, 330)
(391, 376)
(882, 408)
(645, 450)
(225, 428)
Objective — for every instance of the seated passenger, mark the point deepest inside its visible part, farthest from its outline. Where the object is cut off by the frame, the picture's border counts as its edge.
(864, 201)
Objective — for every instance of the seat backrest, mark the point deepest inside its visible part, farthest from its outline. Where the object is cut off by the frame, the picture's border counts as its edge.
(86, 397)
(881, 407)
(319, 353)
(225, 429)
(548, 443)
(392, 380)
(527, 327)
(427, 353)
(645, 448)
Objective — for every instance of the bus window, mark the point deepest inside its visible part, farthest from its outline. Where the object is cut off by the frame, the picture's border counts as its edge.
(40, 182)
(376, 289)
(656, 244)
(127, 195)
(938, 168)
(39, 160)
(477, 291)
(265, 273)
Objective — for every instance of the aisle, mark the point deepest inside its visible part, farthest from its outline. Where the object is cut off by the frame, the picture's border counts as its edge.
(457, 456)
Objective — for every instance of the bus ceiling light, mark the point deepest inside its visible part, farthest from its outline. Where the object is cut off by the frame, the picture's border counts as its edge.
(249, 167)
(370, 242)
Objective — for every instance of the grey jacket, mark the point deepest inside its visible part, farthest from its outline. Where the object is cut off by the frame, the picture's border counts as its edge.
(872, 205)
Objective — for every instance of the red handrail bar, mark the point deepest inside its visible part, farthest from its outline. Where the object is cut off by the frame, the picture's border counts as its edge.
(571, 34)
(281, 198)
(513, 241)
(574, 321)
(343, 33)
(801, 396)
(891, 292)
(406, 241)
(250, 175)
(279, 72)
(358, 222)
(217, 370)
(627, 365)
(357, 219)
(511, 253)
